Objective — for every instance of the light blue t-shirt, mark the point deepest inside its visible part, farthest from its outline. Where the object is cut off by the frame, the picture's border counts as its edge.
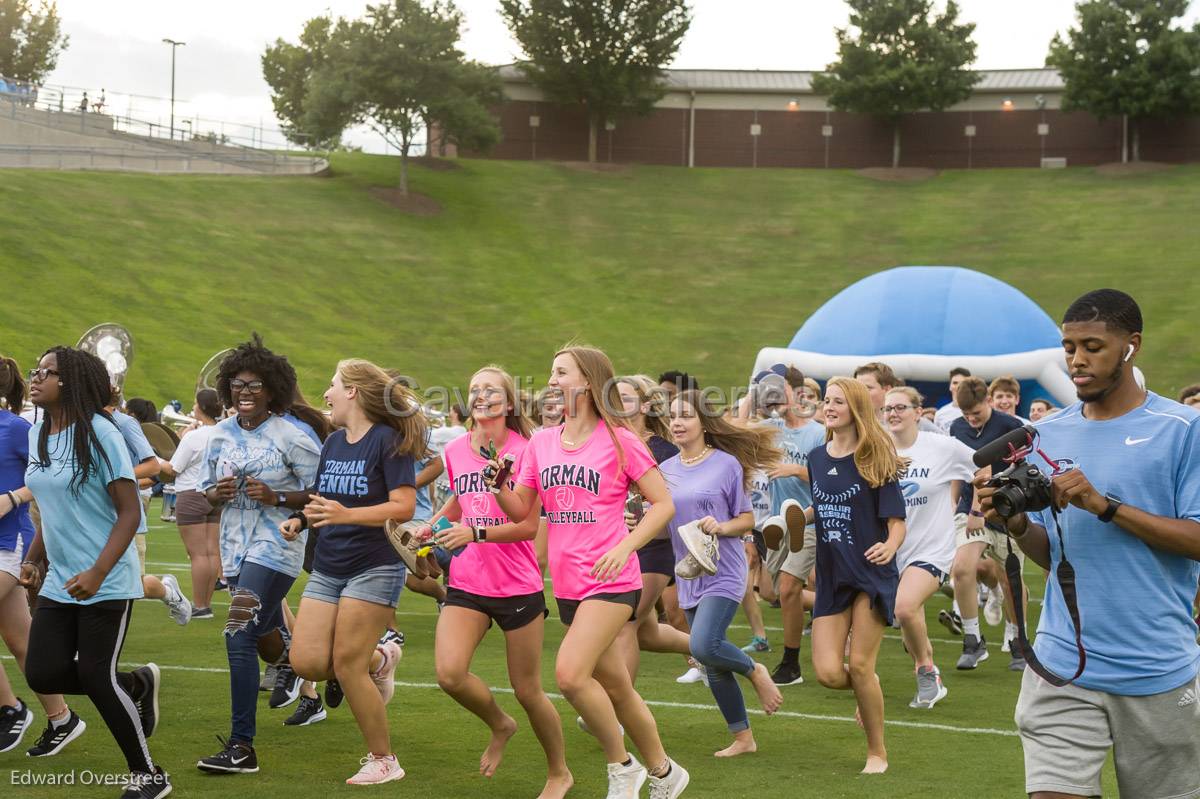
(279, 454)
(1135, 602)
(76, 527)
(796, 443)
(139, 450)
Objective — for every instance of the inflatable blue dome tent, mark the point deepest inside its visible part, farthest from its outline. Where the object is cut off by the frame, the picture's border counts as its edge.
(925, 320)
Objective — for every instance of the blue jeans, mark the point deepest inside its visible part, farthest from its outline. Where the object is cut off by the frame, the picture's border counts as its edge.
(709, 620)
(267, 588)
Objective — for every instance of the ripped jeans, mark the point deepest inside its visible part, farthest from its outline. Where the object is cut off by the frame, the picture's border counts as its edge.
(263, 590)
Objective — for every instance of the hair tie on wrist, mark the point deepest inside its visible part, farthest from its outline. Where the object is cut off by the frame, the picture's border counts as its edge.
(303, 519)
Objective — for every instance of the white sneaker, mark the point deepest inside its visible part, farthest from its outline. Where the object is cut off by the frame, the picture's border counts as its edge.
(377, 770)
(583, 725)
(383, 678)
(993, 608)
(177, 604)
(694, 674)
(1010, 633)
(671, 785)
(625, 782)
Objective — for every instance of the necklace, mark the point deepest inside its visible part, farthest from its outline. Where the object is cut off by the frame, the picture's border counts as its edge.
(690, 461)
(567, 441)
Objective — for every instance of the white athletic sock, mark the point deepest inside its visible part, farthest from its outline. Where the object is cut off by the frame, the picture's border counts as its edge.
(971, 627)
(954, 607)
(1010, 630)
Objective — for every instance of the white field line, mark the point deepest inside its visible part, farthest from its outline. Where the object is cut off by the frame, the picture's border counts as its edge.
(919, 725)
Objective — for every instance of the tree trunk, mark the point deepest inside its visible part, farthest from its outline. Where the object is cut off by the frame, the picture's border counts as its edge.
(1125, 139)
(404, 170)
(593, 136)
(896, 144)
(1137, 150)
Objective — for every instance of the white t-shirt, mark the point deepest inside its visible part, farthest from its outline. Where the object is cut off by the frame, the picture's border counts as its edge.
(936, 462)
(760, 498)
(945, 415)
(188, 460)
(439, 437)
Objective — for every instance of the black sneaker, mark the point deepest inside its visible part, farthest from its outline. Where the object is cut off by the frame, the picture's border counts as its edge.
(14, 722)
(221, 585)
(235, 758)
(974, 652)
(951, 621)
(333, 693)
(201, 613)
(392, 635)
(1017, 663)
(287, 687)
(54, 739)
(787, 674)
(146, 680)
(148, 786)
(309, 711)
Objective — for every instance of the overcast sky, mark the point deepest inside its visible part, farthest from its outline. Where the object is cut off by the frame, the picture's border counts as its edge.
(117, 44)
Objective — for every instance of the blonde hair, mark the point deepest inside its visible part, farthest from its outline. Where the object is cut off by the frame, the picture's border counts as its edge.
(875, 454)
(913, 395)
(753, 444)
(597, 370)
(1004, 383)
(651, 392)
(514, 418)
(813, 386)
(385, 400)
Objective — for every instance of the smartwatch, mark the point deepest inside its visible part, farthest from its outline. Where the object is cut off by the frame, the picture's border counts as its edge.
(1114, 505)
(280, 499)
(479, 534)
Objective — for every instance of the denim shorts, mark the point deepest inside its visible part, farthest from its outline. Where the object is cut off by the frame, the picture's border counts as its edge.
(380, 585)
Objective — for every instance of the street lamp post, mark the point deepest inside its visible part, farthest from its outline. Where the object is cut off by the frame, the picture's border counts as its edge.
(174, 44)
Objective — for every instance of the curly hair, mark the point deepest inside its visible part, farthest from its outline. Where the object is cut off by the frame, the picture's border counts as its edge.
(85, 392)
(12, 384)
(278, 376)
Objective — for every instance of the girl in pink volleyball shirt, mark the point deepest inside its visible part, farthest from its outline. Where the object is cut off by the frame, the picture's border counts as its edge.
(495, 582)
(581, 473)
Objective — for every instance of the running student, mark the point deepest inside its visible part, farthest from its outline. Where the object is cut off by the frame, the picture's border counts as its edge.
(259, 467)
(82, 478)
(366, 477)
(581, 472)
(494, 582)
(938, 467)
(708, 485)
(859, 515)
(16, 536)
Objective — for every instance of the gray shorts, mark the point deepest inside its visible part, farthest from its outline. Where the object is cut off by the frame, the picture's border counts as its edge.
(798, 564)
(1067, 734)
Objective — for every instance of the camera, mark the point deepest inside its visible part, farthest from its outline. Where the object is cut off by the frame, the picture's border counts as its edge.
(1020, 488)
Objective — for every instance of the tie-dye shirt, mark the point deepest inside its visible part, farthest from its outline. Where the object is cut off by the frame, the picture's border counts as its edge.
(282, 456)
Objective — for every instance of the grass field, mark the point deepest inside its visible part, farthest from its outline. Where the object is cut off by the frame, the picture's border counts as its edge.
(663, 267)
(965, 747)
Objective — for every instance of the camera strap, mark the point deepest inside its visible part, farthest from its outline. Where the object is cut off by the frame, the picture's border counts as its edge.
(1065, 575)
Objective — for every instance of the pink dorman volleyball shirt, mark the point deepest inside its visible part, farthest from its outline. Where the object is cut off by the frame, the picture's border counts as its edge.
(495, 570)
(583, 492)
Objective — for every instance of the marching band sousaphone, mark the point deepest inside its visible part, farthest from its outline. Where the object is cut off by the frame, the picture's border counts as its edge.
(112, 344)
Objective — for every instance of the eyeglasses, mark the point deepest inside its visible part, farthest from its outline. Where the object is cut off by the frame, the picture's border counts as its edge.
(38, 375)
(238, 386)
(896, 408)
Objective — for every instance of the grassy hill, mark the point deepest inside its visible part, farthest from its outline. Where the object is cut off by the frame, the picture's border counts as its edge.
(662, 267)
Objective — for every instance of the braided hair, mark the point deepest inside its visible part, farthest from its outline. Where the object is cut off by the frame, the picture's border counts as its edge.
(86, 389)
(277, 374)
(12, 385)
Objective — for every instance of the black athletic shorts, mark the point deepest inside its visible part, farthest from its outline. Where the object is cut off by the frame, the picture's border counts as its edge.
(567, 607)
(510, 612)
(657, 557)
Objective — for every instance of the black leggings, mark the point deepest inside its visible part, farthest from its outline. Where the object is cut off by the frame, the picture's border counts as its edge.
(96, 634)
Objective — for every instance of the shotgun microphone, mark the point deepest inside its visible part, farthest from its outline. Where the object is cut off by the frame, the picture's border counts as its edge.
(1001, 447)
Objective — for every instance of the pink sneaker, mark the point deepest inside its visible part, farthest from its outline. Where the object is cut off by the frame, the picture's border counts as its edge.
(377, 770)
(391, 652)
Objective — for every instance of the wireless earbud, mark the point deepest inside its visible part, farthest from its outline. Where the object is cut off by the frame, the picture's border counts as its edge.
(1129, 352)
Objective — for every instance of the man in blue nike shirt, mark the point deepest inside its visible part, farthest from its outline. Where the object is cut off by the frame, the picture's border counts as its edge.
(1127, 483)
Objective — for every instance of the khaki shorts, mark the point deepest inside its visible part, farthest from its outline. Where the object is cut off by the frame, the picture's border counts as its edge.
(1067, 734)
(996, 549)
(139, 541)
(798, 564)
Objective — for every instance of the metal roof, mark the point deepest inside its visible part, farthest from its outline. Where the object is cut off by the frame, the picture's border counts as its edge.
(800, 82)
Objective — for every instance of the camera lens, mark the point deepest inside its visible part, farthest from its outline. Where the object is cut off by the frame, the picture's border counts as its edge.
(1009, 500)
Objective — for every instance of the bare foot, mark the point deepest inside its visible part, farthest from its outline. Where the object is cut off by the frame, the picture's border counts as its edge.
(768, 692)
(875, 765)
(557, 787)
(742, 745)
(490, 760)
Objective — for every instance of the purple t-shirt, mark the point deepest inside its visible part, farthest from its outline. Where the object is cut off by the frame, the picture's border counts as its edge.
(713, 487)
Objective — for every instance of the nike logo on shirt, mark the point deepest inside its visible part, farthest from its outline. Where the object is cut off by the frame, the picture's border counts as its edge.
(1131, 441)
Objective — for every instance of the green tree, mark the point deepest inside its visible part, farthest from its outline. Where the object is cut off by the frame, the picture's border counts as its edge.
(606, 54)
(896, 58)
(287, 69)
(398, 71)
(1125, 59)
(30, 40)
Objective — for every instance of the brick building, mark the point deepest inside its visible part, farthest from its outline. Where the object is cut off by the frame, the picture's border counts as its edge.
(733, 118)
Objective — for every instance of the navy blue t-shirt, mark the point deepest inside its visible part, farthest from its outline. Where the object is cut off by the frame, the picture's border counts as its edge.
(661, 449)
(995, 427)
(14, 459)
(359, 475)
(850, 518)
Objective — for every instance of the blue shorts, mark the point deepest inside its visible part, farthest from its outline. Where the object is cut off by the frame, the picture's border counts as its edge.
(380, 585)
(937, 573)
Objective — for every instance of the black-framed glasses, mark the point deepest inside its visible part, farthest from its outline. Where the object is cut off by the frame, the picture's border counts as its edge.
(238, 386)
(896, 408)
(38, 375)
